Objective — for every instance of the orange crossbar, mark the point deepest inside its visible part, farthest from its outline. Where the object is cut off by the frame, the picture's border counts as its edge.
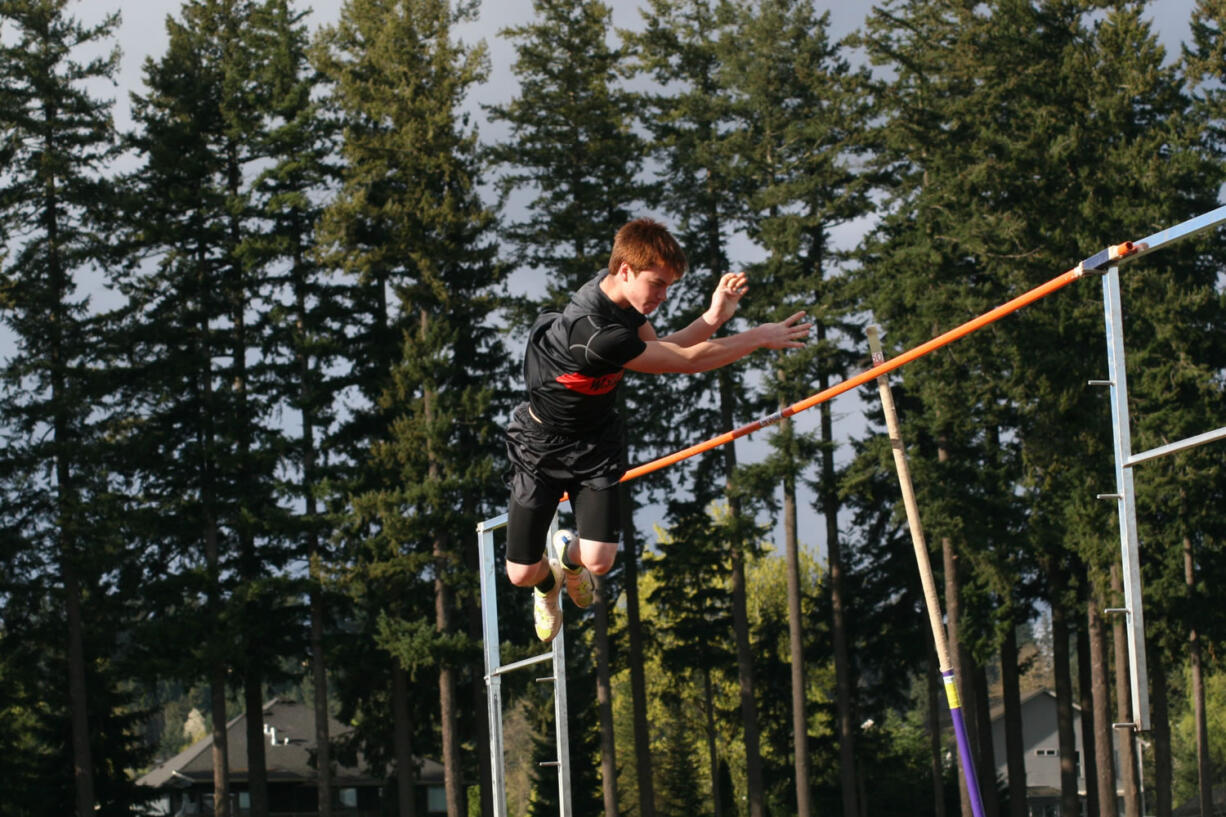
(847, 385)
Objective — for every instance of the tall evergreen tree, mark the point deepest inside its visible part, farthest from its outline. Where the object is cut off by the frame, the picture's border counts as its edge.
(303, 324)
(67, 560)
(199, 376)
(411, 176)
(798, 187)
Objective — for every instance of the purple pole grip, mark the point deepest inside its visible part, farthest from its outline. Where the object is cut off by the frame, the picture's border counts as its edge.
(964, 745)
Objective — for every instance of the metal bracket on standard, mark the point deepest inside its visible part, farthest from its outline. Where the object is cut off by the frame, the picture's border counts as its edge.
(1101, 260)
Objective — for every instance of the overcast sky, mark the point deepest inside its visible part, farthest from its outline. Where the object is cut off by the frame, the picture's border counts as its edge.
(143, 32)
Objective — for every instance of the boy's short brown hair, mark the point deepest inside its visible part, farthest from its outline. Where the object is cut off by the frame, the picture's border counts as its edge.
(645, 243)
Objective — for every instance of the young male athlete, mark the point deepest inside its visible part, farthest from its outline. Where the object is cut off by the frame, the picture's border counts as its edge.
(567, 437)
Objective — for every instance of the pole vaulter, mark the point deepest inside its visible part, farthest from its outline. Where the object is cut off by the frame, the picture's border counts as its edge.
(1095, 263)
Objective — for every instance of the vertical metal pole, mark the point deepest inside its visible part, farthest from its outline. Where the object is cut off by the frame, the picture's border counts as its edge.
(493, 661)
(560, 710)
(1125, 497)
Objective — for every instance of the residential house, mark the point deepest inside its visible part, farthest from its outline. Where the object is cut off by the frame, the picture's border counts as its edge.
(186, 780)
(1041, 747)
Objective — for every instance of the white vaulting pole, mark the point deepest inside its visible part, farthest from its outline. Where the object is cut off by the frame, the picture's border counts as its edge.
(931, 600)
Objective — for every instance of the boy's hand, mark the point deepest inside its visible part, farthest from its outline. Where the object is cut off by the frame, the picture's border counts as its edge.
(727, 296)
(786, 334)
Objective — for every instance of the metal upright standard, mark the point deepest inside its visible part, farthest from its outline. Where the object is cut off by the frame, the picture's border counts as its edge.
(1125, 494)
(495, 669)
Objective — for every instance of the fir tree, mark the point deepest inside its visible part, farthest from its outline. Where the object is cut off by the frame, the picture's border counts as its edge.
(67, 558)
(304, 322)
(199, 324)
(799, 186)
(410, 181)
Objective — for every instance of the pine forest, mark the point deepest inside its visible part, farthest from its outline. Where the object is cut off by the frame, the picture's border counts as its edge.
(260, 339)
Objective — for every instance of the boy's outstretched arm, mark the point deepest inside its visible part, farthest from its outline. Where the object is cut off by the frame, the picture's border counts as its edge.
(662, 356)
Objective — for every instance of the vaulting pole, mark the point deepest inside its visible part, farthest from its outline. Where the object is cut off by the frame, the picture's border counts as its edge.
(931, 600)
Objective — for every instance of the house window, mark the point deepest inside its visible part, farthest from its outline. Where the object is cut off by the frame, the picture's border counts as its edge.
(1047, 752)
(436, 800)
(347, 798)
(244, 802)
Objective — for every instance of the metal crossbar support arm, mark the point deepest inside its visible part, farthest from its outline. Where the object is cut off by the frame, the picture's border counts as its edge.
(495, 669)
(1181, 231)
(1178, 445)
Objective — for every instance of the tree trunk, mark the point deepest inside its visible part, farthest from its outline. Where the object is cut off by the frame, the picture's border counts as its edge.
(953, 615)
(744, 665)
(1015, 758)
(936, 705)
(638, 684)
(1089, 723)
(1069, 801)
(604, 698)
(708, 700)
(453, 787)
(844, 704)
(406, 766)
(1203, 771)
(82, 754)
(1123, 706)
(1163, 766)
(221, 752)
(257, 762)
(319, 675)
(986, 757)
(800, 727)
(740, 625)
(78, 703)
(217, 665)
(1104, 745)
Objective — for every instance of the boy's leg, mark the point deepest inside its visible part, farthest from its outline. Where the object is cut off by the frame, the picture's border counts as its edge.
(527, 528)
(529, 566)
(597, 516)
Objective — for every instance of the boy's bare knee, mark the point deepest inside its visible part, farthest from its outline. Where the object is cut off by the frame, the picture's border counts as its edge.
(526, 575)
(598, 557)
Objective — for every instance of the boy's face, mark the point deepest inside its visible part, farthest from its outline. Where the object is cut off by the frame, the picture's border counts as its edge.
(647, 288)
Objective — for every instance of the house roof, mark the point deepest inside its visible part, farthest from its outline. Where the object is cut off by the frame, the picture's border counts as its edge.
(289, 749)
(997, 711)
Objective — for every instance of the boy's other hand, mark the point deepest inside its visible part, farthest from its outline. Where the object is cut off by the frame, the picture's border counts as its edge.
(727, 296)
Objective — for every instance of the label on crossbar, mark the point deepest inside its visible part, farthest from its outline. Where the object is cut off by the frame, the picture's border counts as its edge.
(771, 419)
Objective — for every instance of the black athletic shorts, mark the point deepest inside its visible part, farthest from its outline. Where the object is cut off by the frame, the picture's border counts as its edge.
(545, 465)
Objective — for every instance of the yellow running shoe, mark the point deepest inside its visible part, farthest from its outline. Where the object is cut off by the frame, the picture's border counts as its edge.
(579, 583)
(547, 607)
